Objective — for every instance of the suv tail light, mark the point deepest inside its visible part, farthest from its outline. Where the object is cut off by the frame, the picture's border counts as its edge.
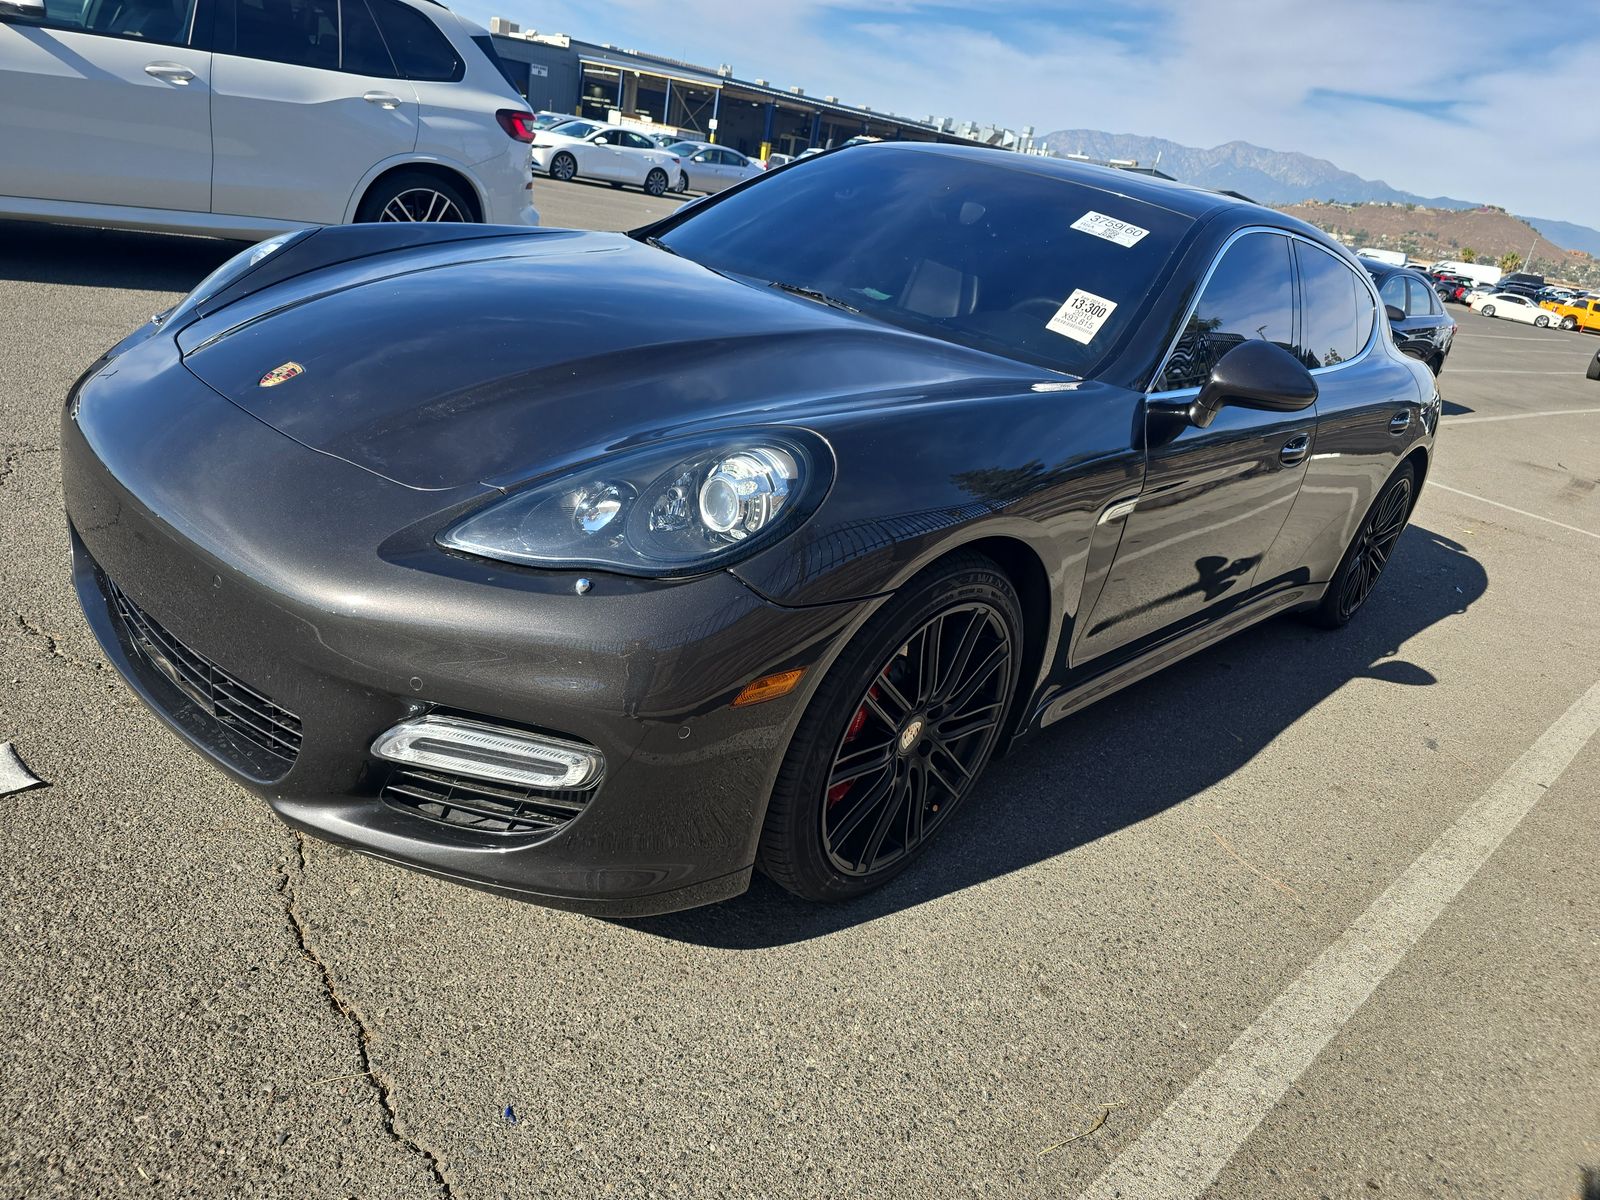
(516, 123)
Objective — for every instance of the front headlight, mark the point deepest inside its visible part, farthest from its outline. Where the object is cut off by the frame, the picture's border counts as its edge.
(229, 273)
(668, 510)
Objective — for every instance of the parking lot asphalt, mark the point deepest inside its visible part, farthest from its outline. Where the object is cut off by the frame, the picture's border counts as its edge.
(196, 1002)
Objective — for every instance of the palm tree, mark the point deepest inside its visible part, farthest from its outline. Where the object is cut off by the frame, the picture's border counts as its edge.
(1510, 260)
(1468, 254)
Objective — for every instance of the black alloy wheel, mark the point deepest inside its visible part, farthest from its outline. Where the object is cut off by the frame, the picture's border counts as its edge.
(898, 733)
(564, 167)
(1370, 552)
(655, 183)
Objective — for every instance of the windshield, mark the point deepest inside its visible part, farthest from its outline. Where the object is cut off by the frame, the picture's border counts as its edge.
(968, 249)
(576, 129)
(686, 149)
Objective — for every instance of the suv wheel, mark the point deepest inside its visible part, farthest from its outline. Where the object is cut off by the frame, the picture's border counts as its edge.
(415, 196)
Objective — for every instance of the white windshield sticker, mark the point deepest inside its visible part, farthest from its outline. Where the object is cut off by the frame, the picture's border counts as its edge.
(1081, 316)
(1109, 228)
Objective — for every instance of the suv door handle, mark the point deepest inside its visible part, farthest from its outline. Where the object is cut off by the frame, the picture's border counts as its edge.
(1295, 449)
(382, 99)
(170, 71)
(1400, 422)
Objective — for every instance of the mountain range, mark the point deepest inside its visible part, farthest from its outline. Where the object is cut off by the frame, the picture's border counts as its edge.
(1279, 176)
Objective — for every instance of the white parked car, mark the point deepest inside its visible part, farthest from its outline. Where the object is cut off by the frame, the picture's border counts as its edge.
(245, 118)
(591, 150)
(1512, 307)
(708, 168)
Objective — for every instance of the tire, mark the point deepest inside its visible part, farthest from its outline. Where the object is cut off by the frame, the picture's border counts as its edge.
(655, 183)
(1369, 551)
(1569, 323)
(1542, 322)
(1594, 368)
(683, 181)
(1487, 310)
(832, 839)
(564, 167)
(1436, 364)
(415, 196)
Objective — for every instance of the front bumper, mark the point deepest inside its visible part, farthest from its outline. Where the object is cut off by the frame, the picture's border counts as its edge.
(312, 588)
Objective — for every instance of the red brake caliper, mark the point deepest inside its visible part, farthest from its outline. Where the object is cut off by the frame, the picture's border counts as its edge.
(840, 790)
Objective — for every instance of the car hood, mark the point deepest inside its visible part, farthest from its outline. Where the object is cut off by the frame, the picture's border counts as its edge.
(496, 364)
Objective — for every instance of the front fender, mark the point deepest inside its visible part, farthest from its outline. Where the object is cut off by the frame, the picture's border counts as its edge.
(915, 482)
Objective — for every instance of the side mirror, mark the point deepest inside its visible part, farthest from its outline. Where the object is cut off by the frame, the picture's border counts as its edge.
(1255, 374)
(28, 10)
(701, 157)
(1393, 313)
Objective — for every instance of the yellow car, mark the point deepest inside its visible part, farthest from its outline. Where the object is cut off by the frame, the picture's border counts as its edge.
(1576, 314)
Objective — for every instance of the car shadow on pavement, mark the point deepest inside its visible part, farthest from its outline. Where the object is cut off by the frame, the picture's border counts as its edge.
(83, 256)
(1102, 769)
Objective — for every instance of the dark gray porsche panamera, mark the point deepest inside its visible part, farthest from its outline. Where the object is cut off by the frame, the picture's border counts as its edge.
(601, 569)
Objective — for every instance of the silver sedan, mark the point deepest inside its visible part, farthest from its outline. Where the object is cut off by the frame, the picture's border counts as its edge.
(708, 168)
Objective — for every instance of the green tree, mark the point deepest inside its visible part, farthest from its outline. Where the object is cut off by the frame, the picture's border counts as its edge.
(1510, 260)
(1468, 254)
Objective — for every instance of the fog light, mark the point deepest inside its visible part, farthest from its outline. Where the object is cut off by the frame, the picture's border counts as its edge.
(491, 752)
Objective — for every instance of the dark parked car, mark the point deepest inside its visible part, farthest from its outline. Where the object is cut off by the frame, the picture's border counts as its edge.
(1421, 326)
(599, 569)
(1521, 283)
(1454, 289)
(1594, 367)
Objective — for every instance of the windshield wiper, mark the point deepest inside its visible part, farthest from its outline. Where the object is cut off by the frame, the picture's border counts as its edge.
(653, 240)
(794, 289)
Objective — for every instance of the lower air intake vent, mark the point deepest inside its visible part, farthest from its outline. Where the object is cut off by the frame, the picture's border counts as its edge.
(479, 805)
(239, 709)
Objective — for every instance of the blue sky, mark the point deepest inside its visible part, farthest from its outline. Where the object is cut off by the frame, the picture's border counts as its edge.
(1467, 98)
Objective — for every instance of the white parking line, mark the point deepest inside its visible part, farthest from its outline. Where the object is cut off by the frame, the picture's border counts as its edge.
(1521, 512)
(1496, 371)
(1554, 412)
(1180, 1154)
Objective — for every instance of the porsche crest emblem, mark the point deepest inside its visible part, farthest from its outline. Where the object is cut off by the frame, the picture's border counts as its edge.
(281, 374)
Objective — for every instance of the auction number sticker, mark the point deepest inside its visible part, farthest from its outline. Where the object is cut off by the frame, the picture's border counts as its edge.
(1081, 316)
(1109, 228)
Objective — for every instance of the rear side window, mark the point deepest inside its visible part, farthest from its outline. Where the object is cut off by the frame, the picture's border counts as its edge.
(1250, 295)
(1335, 309)
(420, 51)
(1393, 291)
(635, 141)
(485, 44)
(1421, 301)
(303, 33)
(361, 47)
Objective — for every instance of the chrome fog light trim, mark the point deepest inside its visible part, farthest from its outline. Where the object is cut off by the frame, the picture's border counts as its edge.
(493, 752)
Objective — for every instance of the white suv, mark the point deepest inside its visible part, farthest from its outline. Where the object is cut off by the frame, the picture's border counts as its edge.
(245, 118)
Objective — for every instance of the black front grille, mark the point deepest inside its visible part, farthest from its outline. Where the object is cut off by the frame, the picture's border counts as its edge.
(237, 708)
(479, 805)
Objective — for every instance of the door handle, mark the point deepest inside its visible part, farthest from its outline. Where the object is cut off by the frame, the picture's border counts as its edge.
(170, 71)
(1295, 449)
(1400, 422)
(382, 99)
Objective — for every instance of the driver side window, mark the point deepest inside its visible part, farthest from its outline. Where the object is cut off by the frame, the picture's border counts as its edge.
(1250, 295)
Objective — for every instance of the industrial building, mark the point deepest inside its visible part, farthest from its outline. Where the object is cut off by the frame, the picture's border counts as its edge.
(604, 83)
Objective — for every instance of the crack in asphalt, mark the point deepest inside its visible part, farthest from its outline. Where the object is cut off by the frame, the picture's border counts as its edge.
(345, 1008)
(11, 455)
(53, 644)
